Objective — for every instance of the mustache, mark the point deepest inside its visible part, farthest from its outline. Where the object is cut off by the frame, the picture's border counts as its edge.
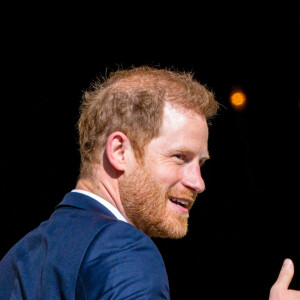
(186, 194)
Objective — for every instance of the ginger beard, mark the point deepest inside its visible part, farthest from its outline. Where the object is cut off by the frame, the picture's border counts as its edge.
(147, 207)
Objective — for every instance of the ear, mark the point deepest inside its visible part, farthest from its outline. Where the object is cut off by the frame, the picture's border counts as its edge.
(117, 148)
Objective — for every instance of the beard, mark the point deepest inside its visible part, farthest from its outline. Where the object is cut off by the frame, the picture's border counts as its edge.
(146, 205)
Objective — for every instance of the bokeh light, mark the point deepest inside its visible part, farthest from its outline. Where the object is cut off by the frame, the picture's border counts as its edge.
(238, 99)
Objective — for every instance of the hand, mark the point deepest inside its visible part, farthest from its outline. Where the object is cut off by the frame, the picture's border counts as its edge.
(279, 290)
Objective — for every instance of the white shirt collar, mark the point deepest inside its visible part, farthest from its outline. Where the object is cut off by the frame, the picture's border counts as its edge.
(109, 206)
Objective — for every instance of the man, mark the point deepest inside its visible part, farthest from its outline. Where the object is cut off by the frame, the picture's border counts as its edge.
(143, 138)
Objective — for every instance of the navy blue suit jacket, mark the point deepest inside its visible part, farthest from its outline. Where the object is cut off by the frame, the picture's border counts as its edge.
(83, 252)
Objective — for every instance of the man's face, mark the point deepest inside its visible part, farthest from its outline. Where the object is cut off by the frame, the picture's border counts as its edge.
(158, 194)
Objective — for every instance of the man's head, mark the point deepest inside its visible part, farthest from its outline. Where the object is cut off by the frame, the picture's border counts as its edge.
(162, 114)
(158, 194)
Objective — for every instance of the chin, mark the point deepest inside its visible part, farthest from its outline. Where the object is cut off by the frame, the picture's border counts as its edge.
(169, 234)
(172, 228)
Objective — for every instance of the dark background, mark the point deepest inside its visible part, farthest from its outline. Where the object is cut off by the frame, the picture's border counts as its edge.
(247, 220)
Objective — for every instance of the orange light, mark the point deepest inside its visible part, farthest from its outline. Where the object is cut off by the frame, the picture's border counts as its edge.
(238, 100)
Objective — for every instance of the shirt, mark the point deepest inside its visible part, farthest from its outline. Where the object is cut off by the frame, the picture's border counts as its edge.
(109, 206)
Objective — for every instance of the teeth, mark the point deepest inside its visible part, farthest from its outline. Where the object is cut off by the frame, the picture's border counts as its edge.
(179, 201)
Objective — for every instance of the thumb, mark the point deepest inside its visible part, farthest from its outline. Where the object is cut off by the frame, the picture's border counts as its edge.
(286, 274)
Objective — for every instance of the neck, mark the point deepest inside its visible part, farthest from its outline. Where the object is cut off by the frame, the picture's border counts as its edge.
(106, 190)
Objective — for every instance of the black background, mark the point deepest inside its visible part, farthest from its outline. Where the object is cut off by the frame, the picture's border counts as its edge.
(247, 220)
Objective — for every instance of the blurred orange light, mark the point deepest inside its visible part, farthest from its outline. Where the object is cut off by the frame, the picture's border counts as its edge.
(238, 100)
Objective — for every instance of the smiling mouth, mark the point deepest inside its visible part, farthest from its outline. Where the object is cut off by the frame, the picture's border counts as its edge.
(185, 203)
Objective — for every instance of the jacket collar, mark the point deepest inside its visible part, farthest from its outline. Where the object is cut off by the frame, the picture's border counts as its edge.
(85, 202)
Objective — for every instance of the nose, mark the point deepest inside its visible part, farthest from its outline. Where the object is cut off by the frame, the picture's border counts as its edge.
(193, 179)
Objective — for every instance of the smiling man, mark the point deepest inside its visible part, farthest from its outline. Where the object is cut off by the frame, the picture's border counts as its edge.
(158, 194)
(143, 139)
(148, 165)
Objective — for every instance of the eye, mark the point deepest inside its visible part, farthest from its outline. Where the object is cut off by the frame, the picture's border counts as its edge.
(180, 156)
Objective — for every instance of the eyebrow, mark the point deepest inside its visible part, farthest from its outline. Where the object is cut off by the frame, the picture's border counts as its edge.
(203, 159)
(186, 150)
(206, 156)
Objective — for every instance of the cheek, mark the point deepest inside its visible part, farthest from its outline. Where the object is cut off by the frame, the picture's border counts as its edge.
(166, 176)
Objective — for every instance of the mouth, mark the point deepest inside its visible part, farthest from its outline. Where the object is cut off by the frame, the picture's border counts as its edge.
(181, 204)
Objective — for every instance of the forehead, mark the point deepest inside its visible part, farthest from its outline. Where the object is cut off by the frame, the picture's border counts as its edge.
(178, 119)
(182, 128)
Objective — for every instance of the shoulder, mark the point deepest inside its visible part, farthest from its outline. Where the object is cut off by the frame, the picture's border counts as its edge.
(125, 235)
(127, 261)
(124, 242)
(51, 254)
